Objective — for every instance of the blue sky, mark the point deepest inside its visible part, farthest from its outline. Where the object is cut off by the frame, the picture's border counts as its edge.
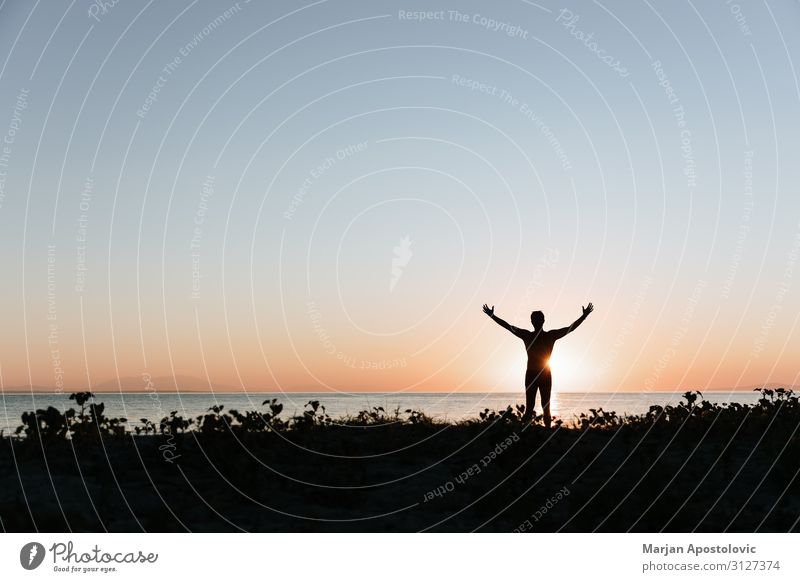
(527, 171)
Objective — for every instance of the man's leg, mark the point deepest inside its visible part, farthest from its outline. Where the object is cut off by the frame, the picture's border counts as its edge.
(531, 382)
(545, 385)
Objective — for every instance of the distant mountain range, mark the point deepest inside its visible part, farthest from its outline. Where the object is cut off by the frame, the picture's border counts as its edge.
(138, 384)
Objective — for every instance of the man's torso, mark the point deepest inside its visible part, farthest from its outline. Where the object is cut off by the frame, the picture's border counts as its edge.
(539, 345)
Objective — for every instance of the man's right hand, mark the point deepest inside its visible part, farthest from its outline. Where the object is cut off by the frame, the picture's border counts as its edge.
(587, 310)
(490, 310)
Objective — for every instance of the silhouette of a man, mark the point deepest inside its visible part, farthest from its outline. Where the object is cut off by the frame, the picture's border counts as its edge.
(539, 345)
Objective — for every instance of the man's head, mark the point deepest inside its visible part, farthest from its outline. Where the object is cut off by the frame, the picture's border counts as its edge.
(537, 319)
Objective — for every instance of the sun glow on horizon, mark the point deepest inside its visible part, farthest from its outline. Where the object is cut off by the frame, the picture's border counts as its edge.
(569, 370)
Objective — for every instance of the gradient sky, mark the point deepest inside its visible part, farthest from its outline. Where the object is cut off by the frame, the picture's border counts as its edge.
(323, 195)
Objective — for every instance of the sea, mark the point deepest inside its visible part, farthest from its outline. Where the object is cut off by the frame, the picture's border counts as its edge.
(153, 406)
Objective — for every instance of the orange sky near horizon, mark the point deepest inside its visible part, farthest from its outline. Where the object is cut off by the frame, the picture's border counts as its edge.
(619, 347)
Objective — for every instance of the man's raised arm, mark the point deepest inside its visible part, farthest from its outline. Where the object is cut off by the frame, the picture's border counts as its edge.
(502, 323)
(565, 330)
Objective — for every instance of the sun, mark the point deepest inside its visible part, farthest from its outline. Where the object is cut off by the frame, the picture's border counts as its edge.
(568, 368)
(558, 362)
(571, 369)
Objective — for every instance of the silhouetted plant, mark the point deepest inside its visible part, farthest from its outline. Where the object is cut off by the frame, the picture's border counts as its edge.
(315, 416)
(275, 407)
(415, 417)
(487, 415)
(691, 397)
(146, 428)
(375, 415)
(88, 423)
(511, 416)
(599, 418)
(249, 421)
(214, 420)
(46, 424)
(174, 424)
(81, 398)
(271, 418)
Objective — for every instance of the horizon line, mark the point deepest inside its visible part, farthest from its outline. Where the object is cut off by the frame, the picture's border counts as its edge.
(16, 391)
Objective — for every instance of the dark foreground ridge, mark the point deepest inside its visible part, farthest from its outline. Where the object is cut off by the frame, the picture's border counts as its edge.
(695, 466)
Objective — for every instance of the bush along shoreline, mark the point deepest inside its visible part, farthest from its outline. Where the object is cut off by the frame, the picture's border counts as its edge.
(692, 466)
(90, 421)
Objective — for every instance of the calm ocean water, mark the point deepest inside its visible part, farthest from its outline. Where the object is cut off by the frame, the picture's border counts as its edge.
(135, 406)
